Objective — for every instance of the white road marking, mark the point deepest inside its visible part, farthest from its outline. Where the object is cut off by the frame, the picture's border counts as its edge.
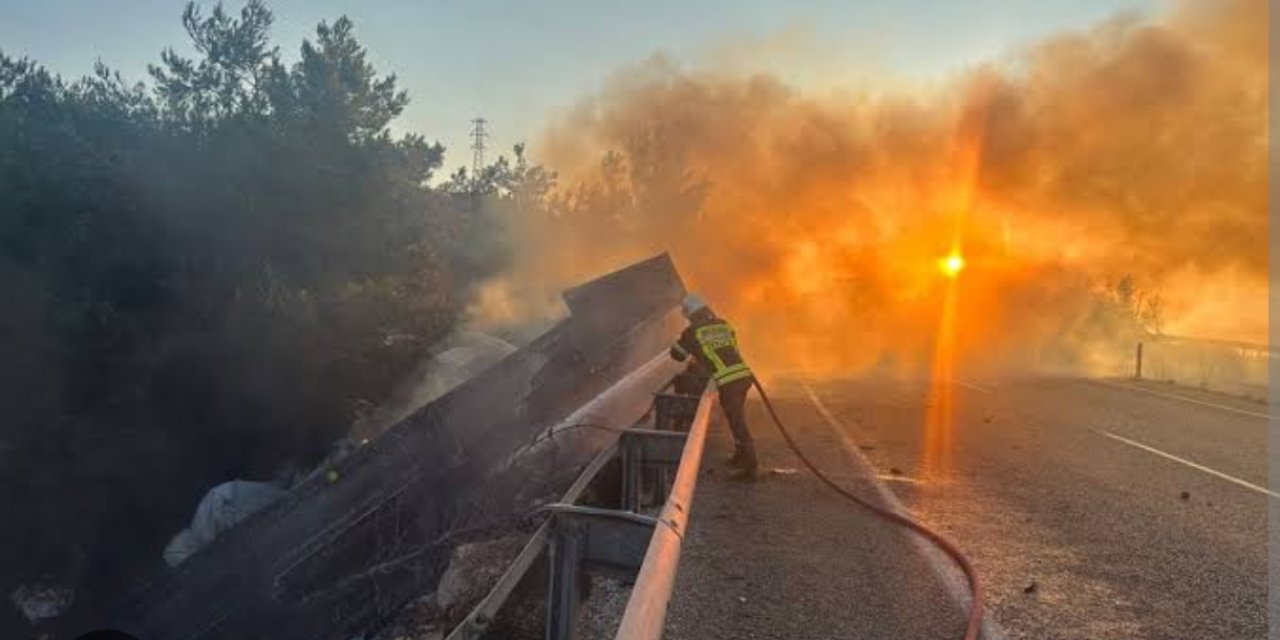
(942, 566)
(1175, 396)
(1199, 467)
(970, 385)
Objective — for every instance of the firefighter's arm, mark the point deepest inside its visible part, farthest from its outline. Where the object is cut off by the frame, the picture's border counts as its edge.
(678, 353)
(683, 348)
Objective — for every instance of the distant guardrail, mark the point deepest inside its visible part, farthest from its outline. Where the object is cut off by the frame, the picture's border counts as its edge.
(1237, 368)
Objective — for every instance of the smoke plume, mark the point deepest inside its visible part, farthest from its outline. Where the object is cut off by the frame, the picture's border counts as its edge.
(816, 224)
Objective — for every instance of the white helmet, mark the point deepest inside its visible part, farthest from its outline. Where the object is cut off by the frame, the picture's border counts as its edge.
(692, 303)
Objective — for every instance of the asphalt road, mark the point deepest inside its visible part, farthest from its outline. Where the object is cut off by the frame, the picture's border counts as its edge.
(786, 559)
(1091, 509)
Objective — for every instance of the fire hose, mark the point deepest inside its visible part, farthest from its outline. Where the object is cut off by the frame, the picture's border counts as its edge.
(946, 546)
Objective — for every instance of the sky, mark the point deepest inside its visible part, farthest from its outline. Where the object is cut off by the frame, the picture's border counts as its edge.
(519, 63)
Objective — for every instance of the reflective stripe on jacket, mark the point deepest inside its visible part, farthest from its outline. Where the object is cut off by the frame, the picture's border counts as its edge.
(715, 344)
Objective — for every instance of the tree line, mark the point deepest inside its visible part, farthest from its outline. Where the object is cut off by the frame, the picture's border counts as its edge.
(204, 275)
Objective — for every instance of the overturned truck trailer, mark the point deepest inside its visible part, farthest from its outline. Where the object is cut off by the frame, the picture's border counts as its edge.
(345, 549)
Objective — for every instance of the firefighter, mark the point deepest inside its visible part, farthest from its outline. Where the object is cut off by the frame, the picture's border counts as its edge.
(712, 343)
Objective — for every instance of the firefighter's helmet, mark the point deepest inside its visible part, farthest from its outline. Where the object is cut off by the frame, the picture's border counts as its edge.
(692, 304)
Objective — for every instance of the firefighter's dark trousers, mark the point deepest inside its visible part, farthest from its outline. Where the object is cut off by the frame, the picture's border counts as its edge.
(733, 398)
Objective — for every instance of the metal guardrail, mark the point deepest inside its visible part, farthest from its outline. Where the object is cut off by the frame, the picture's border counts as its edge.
(646, 610)
(1236, 368)
(618, 542)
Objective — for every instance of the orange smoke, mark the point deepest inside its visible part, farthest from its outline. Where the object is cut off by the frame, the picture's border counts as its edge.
(816, 225)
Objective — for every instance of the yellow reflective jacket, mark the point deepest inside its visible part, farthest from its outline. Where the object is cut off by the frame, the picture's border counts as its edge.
(714, 344)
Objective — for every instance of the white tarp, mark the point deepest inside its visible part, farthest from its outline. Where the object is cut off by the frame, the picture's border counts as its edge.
(456, 359)
(220, 509)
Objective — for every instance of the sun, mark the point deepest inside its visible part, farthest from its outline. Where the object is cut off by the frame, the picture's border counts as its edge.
(952, 265)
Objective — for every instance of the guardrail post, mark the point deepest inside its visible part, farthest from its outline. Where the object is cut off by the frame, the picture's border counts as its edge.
(630, 457)
(565, 556)
(674, 411)
(1137, 370)
(646, 610)
(647, 458)
(632, 471)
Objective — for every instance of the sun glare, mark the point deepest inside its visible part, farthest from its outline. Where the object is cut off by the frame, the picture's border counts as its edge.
(951, 265)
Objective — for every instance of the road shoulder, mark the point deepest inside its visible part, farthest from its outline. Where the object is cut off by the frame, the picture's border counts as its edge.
(786, 558)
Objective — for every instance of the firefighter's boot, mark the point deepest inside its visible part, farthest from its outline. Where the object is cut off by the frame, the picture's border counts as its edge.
(747, 464)
(735, 461)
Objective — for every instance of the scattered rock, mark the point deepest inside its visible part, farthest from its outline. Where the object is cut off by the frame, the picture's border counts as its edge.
(601, 612)
(988, 419)
(1030, 588)
(41, 602)
(895, 471)
(1185, 495)
(427, 631)
(473, 568)
(742, 599)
